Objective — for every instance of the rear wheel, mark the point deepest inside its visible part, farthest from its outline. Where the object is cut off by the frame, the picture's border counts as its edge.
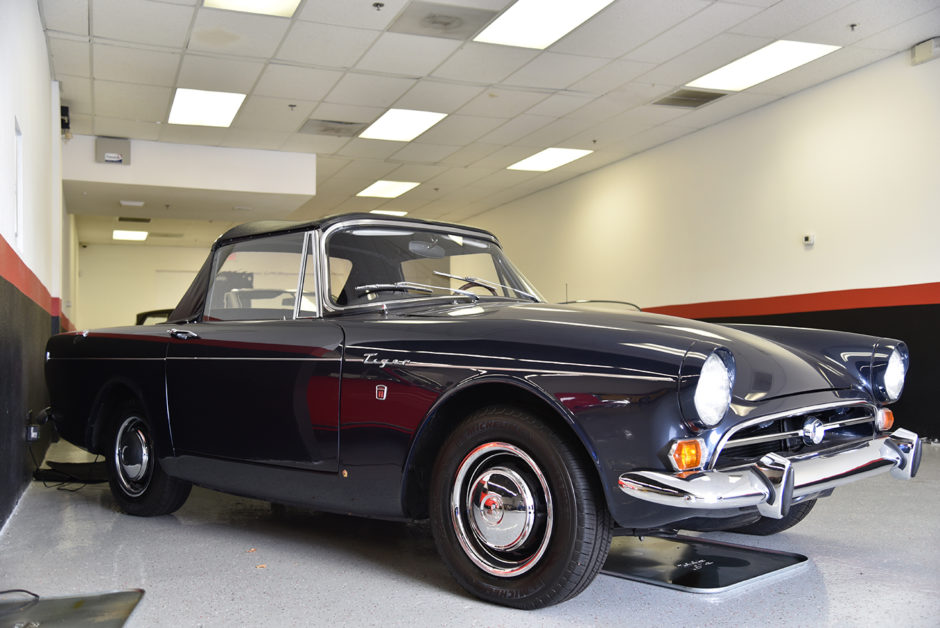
(138, 483)
(515, 511)
(765, 526)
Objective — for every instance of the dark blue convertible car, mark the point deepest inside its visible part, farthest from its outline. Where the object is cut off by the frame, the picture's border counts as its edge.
(404, 369)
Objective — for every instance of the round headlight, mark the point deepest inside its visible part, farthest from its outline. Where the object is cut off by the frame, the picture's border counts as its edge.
(894, 376)
(713, 391)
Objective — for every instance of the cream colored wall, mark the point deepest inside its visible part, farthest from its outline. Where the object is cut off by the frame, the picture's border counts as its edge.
(720, 214)
(116, 281)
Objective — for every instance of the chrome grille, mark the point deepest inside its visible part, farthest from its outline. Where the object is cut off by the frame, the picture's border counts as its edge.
(783, 434)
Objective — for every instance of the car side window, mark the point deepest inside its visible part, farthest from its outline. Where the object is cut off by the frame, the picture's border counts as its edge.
(256, 279)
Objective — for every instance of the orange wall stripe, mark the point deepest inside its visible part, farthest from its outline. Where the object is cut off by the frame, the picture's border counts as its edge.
(917, 294)
(17, 273)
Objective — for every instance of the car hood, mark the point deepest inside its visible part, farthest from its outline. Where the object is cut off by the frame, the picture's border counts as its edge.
(770, 362)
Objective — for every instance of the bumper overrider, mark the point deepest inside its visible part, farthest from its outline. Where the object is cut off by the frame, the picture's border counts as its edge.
(775, 481)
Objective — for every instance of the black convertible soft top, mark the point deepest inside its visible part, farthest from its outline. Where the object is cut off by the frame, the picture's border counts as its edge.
(193, 301)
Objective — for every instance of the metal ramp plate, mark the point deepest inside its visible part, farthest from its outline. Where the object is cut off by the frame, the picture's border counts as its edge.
(693, 564)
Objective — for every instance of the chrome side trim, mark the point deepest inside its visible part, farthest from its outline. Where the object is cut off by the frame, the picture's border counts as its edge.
(777, 416)
(775, 482)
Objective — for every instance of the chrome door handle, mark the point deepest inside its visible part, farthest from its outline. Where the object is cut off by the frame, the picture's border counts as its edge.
(182, 334)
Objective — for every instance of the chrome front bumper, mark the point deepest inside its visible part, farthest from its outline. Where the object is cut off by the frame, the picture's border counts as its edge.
(774, 481)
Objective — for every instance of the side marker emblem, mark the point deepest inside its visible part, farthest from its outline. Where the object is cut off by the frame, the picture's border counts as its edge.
(381, 392)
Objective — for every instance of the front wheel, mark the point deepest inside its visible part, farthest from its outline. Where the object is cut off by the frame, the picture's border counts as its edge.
(516, 513)
(138, 483)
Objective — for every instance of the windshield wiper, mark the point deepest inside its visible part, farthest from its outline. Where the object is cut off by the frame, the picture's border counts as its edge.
(411, 286)
(489, 285)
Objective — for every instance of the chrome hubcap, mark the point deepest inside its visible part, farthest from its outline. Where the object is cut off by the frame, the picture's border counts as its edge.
(501, 509)
(132, 456)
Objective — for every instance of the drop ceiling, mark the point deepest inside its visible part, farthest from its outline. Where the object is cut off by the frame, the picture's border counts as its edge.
(119, 61)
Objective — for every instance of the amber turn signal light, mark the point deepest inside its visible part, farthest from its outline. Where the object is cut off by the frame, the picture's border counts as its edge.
(687, 454)
(884, 420)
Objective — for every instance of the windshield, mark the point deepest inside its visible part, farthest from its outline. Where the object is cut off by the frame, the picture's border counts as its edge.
(371, 265)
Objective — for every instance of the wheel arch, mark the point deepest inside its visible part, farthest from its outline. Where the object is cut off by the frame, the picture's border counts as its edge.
(462, 401)
(114, 395)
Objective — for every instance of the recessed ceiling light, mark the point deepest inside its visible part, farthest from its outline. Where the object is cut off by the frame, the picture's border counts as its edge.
(402, 125)
(388, 212)
(764, 64)
(122, 234)
(539, 23)
(280, 8)
(549, 159)
(132, 203)
(388, 189)
(201, 108)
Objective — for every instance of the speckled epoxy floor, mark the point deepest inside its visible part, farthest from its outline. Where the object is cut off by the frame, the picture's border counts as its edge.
(874, 551)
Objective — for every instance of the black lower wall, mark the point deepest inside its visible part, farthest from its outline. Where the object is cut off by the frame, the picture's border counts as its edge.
(916, 325)
(24, 329)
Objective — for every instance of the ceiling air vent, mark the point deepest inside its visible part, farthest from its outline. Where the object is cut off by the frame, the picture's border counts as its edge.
(132, 219)
(689, 98)
(336, 128)
(441, 20)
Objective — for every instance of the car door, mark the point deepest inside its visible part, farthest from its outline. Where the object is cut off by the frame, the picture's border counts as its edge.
(257, 379)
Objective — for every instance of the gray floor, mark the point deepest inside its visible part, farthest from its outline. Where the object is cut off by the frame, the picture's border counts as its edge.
(874, 551)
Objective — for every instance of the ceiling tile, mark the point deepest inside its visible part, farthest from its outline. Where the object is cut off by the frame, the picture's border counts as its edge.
(906, 34)
(410, 55)
(306, 143)
(115, 127)
(870, 16)
(70, 57)
(139, 21)
(369, 149)
(454, 178)
(259, 140)
(325, 46)
(346, 113)
(505, 156)
(459, 129)
(288, 81)
(502, 103)
(368, 89)
(357, 14)
(75, 92)
(237, 33)
(434, 95)
(470, 154)
(623, 26)
(262, 113)
(484, 63)
(554, 71)
(702, 59)
(611, 76)
(554, 133)
(699, 28)
(620, 100)
(67, 16)
(780, 20)
(367, 170)
(415, 172)
(185, 134)
(559, 105)
(328, 166)
(518, 127)
(135, 65)
(132, 102)
(424, 153)
(722, 109)
(218, 74)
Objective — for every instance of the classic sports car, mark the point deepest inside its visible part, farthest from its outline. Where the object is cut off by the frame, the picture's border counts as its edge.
(404, 369)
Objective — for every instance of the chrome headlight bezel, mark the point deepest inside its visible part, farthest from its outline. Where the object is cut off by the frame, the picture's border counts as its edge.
(889, 371)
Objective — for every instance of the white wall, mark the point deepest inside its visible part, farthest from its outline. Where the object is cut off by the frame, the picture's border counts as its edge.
(27, 99)
(720, 214)
(116, 281)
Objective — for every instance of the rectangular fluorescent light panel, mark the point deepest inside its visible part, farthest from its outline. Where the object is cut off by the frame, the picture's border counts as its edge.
(539, 23)
(198, 107)
(401, 125)
(121, 234)
(762, 65)
(279, 8)
(388, 212)
(549, 159)
(388, 189)
(132, 203)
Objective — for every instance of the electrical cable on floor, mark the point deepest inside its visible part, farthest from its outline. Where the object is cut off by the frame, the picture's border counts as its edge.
(32, 601)
(65, 484)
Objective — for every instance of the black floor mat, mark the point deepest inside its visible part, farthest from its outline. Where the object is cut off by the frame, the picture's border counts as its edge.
(80, 472)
